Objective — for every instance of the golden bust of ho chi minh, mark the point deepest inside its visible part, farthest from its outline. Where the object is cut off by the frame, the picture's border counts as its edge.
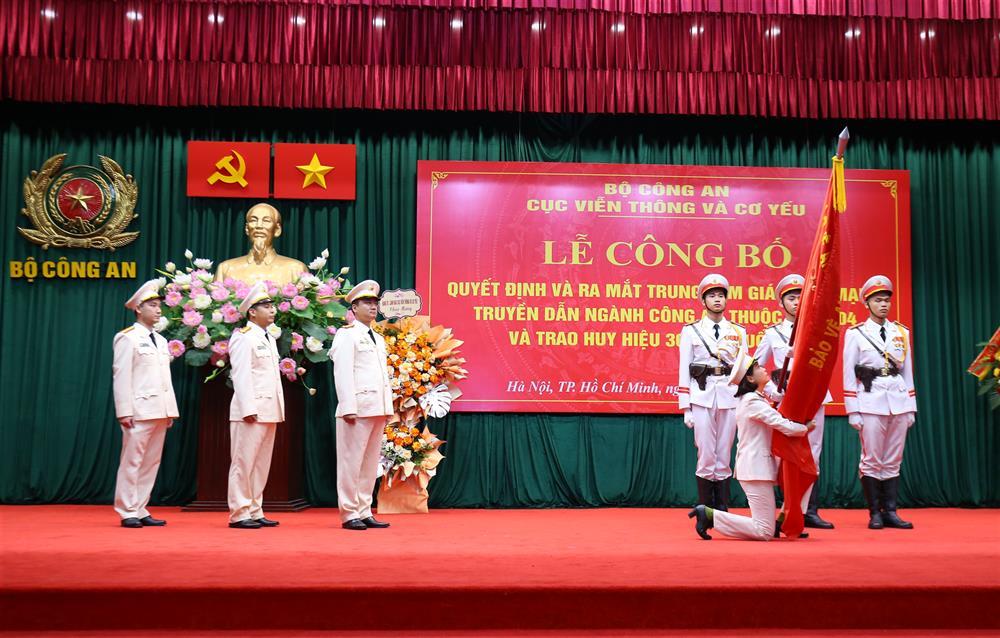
(263, 225)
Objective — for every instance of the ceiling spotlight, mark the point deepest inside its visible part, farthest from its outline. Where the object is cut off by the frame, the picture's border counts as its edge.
(456, 23)
(852, 33)
(215, 18)
(926, 35)
(618, 27)
(537, 26)
(299, 21)
(697, 30)
(378, 22)
(773, 31)
(134, 16)
(49, 14)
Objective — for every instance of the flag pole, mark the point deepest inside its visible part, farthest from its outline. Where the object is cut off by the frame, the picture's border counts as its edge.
(842, 140)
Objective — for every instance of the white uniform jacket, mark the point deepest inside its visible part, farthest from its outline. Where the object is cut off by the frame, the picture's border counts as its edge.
(253, 355)
(772, 351)
(142, 385)
(360, 372)
(889, 394)
(717, 392)
(755, 418)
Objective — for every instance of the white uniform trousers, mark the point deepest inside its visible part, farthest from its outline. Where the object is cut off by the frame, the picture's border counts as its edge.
(142, 446)
(359, 449)
(882, 441)
(250, 447)
(714, 432)
(759, 526)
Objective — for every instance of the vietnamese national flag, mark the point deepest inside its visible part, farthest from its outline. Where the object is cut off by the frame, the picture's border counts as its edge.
(229, 169)
(314, 171)
(815, 351)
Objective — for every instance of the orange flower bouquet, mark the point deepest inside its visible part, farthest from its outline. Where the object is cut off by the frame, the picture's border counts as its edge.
(424, 366)
(986, 368)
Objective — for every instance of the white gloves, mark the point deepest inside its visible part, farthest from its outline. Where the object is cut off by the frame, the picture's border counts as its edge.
(854, 418)
(688, 419)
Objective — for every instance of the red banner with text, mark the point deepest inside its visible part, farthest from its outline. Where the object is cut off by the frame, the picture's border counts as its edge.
(570, 283)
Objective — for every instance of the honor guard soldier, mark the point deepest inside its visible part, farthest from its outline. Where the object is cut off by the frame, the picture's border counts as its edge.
(258, 406)
(771, 353)
(144, 405)
(364, 405)
(707, 351)
(880, 400)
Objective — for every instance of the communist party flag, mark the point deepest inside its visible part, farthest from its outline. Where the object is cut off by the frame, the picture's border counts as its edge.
(314, 171)
(815, 350)
(229, 169)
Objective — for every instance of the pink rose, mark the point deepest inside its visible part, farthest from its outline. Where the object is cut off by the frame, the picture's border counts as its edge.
(230, 314)
(297, 341)
(284, 306)
(331, 330)
(220, 293)
(272, 291)
(299, 302)
(202, 330)
(324, 294)
(173, 298)
(287, 367)
(241, 292)
(195, 292)
(349, 317)
(175, 348)
(221, 348)
(229, 282)
(192, 318)
(289, 290)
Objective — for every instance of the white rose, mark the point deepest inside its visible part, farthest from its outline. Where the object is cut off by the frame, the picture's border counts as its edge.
(310, 281)
(411, 338)
(206, 277)
(317, 263)
(201, 340)
(217, 316)
(345, 270)
(406, 454)
(313, 344)
(188, 254)
(425, 377)
(161, 324)
(170, 267)
(202, 301)
(160, 282)
(325, 254)
(183, 279)
(205, 264)
(274, 331)
(393, 357)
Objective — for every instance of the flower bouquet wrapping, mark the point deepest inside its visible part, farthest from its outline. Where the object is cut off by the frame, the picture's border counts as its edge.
(200, 314)
(986, 368)
(424, 366)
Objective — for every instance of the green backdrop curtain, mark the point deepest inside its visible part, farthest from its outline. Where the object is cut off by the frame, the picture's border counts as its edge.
(58, 437)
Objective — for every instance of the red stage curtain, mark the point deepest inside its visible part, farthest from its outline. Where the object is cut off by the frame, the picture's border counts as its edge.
(763, 58)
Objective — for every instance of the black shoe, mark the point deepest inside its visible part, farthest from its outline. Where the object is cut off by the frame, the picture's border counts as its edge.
(149, 521)
(266, 522)
(777, 531)
(371, 522)
(705, 492)
(722, 495)
(890, 488)
(870, 488)
(355, 524)
(701, 523)
(131, 522)
(247, 523)
(814, 521)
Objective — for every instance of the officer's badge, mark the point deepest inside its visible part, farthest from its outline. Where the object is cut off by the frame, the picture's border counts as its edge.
(79, 206)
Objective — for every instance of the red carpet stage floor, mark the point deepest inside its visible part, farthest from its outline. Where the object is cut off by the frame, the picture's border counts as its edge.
(618, 570)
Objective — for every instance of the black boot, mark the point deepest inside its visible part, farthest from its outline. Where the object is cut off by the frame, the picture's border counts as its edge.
(722, 495)
(705, 492)
(812, 517)
(890, 489)
(702, 522)
(870, 487)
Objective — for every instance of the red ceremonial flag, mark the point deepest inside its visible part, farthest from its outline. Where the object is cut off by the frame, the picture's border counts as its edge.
(314, 171)
(229, 169)
(816, 347)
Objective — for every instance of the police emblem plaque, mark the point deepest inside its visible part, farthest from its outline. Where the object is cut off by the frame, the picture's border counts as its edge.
(80, 206)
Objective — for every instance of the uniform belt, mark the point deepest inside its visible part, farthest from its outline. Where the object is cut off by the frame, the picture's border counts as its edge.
(719, 371)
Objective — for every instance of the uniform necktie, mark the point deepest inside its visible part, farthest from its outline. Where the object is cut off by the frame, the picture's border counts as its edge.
(716, 332)
(881, 332)
(372, 335)
(152, 338)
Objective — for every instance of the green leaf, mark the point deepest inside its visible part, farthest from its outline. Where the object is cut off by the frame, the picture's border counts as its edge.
(314, 330)
(316, 357)
(994, 401)
(307, 313)
(986, 385)
(196, 357)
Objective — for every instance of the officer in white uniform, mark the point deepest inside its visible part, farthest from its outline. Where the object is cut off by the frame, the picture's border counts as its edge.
(258, 406)
(364, 405)
(880, 400)
(771, 353)
(756, 467)
(707, 351)
(144, 405)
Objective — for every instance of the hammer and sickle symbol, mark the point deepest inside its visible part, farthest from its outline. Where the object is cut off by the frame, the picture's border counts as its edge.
(235, 175)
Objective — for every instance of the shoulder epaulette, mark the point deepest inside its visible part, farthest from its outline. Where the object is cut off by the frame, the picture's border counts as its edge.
(775, 326)
(856, 326)
(733, 323)
(245, 329)
(907, 328)
(124, 330)
(690, 324)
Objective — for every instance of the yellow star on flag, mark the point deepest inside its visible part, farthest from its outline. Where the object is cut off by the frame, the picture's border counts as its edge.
(315, 172)
(80, 199)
